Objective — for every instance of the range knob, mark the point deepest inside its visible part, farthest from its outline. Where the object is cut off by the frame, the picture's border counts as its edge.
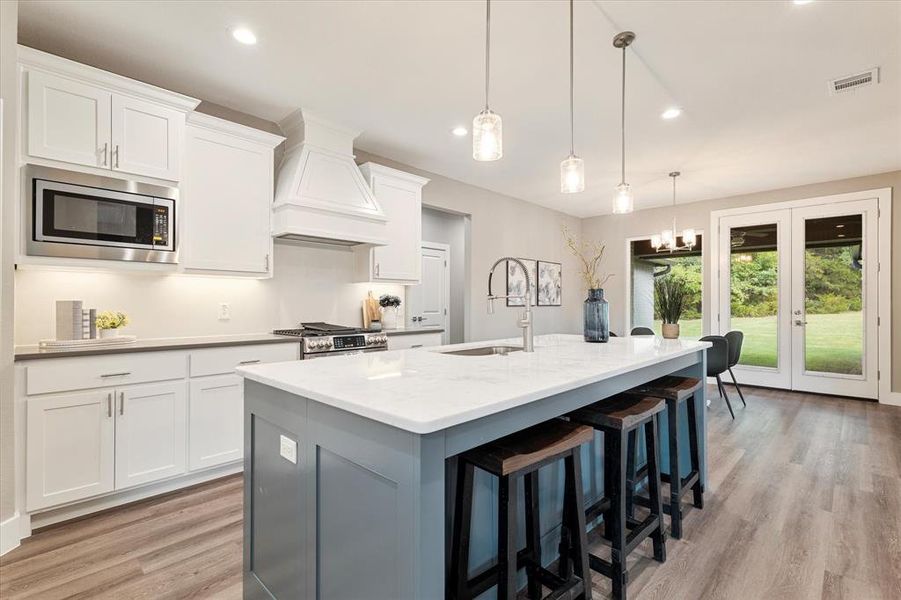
(327, 344)
(381, 339)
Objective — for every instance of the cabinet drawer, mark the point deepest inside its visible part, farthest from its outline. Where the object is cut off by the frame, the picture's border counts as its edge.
(218, 361)
(414, 340)
(80, 373)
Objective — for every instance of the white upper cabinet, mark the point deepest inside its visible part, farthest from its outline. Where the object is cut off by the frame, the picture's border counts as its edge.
(68, 120)
(145, 138)
(83, 116)
(226, 197)
(400, 196)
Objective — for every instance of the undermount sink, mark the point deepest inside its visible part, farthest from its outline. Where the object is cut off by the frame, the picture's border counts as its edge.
(485, 351)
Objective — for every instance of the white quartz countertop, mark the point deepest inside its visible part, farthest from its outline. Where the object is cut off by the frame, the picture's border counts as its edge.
(422, 390)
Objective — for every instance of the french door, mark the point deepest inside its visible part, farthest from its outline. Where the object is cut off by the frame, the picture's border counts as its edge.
(801, 284)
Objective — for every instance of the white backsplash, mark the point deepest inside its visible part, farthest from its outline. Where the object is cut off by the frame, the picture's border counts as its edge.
(311, 283)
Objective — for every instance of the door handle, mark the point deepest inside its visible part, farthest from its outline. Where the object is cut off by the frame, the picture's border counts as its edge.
(121, 403)
(249, 362)
(123, 374)
(109, 405)
(800, 323)
(105, 150)
(376, 269)
(116, 155)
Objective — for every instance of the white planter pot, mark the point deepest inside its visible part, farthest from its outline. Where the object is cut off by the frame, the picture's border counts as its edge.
(109, 333)
(670, 331)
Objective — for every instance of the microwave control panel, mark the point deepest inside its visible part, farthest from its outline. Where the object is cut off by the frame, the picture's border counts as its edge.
(160, 226)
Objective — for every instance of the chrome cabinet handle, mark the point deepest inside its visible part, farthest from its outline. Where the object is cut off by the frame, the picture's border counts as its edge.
(105, 150)
(416, 346)
(121, 403)
(376, 269)
(249, 362)
(123, 374)
(116, 155)
(109, 405)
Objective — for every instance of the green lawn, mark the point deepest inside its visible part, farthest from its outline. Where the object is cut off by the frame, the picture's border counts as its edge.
(834, 341)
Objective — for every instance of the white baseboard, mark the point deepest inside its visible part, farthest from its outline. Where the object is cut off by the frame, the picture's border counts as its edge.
(893, 399)
(10, 534)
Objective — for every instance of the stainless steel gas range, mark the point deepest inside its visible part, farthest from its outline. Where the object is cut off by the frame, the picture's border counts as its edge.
(319, 340)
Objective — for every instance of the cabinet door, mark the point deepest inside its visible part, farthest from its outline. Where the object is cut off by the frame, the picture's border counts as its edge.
(227, 201)
(68, 121)
(215, 421)
(402, 203)
(69, 447)
(150, 433)
(145, 138)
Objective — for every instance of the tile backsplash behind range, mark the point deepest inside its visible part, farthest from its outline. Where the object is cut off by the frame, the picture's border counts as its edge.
(310, 284)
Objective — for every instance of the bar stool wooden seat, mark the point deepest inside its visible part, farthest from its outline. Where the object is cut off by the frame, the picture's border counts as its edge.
(617, 418)
(674, 390)
(522, 454)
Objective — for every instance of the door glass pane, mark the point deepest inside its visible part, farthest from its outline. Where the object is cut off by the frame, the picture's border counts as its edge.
(754, 289)
(833, 288)
(648, 265)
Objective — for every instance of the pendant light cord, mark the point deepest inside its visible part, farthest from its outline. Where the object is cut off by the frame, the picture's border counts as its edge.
(674, 192)
(572, 134)
(623, 119)
(487, 47)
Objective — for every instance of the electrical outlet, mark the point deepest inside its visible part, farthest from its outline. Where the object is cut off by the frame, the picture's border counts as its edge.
(225, 311)
(287, 449)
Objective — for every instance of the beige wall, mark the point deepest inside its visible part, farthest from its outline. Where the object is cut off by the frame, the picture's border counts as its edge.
(505, 226)
(613, 230)
(8, 24)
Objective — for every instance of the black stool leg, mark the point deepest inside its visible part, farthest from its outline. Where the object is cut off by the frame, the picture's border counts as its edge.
(651, 443)
(619, 573)
(695, 452)
(533, 534)
(632, 457)
(575, 499)
(735, 381)
(457, 588)
(611, 456)
(675, 478)
(506, 539)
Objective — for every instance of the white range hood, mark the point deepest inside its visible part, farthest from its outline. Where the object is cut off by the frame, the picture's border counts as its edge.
(320, 194)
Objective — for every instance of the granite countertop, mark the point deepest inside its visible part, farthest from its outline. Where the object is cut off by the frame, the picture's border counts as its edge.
(155, 344)
(422, 390)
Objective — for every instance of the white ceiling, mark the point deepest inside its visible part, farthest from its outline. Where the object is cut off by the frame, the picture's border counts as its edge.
(751, 77)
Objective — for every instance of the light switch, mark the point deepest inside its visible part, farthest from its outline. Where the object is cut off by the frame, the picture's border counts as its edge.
(288, 449)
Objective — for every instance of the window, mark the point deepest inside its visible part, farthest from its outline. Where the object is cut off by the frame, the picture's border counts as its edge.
(647, 265)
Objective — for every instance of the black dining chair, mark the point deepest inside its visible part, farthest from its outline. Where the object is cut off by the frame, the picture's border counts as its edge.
(642, 331)
(718, 363)
(735, 339)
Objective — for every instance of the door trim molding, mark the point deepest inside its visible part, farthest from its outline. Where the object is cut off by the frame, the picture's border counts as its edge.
(445, 335)
(884, 276)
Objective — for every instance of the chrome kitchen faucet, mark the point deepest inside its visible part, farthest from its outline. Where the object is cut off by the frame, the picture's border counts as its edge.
(525, 322)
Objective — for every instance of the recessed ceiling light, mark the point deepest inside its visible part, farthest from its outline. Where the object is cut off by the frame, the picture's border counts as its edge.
(244, 35)
(801, 2)
(459, 131)
(671, 113)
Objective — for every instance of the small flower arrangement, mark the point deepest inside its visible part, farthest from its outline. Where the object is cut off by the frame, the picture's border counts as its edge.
(389, 301)
(591, 255)
(109, 319)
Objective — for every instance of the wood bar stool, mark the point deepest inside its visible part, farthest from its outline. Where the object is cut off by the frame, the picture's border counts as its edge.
(617, 418)
(674, 390)
(522, 454)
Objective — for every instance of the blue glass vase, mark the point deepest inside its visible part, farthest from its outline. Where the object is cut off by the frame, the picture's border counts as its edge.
(596, 311)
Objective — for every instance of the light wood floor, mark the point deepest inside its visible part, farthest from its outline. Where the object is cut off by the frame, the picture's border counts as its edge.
(803, 501)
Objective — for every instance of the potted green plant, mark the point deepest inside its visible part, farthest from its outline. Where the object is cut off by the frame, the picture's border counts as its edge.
(110, 322)
(669, 300)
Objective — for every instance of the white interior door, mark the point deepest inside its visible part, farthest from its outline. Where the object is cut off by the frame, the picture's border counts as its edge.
(427, 303)
(834, 292)
(755, 293)
(802, 285)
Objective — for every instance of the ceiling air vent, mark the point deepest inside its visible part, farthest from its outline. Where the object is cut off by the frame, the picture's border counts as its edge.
(853, 82)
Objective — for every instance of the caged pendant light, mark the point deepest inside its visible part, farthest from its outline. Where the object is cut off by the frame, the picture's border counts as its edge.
(572, 169)
(487, 140)
(623, 202)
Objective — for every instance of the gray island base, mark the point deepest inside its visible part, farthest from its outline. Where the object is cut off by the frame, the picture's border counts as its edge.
(347, 461)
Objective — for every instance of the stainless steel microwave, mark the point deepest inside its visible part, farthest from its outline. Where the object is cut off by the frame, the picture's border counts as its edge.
(76, 215)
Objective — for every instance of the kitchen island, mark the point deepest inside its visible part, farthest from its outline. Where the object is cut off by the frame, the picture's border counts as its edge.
(345, 459)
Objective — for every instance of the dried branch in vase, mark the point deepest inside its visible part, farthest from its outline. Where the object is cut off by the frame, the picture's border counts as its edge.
(591, 255)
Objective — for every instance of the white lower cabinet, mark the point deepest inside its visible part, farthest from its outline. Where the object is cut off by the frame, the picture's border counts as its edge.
(150, 433)
(70, 447)
(414, 340)
(215, 421)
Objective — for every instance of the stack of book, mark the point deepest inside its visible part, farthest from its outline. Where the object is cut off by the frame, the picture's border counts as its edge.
(74, 322)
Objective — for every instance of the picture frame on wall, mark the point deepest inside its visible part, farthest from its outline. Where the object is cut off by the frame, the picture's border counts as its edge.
(516, 281)
(550, 283)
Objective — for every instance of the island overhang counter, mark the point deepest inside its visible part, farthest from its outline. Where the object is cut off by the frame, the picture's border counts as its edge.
(345, 479)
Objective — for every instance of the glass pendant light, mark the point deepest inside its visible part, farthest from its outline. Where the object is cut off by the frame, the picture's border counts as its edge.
(487, 140)
(572, 169)
(623, 202)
